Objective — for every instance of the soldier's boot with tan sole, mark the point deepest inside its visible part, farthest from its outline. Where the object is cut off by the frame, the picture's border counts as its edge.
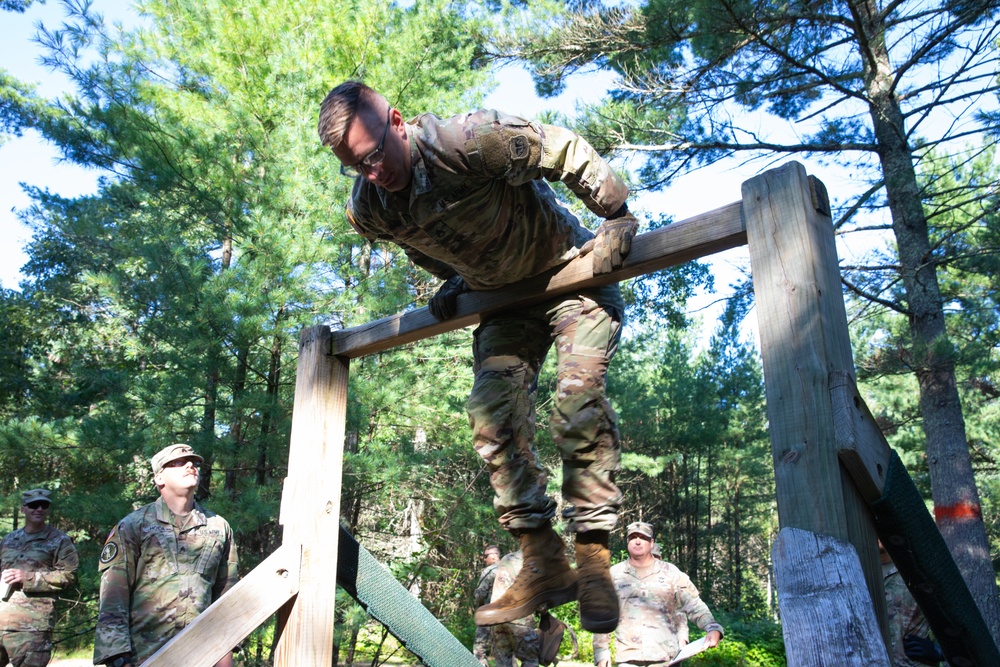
(595, 589)
(545, 581)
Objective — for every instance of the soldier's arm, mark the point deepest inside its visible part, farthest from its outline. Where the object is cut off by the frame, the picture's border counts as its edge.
(63, 573)
(430, 265)
(694, 607)
(229, 568)
(520, 151)
(117, 569)
(483, 589)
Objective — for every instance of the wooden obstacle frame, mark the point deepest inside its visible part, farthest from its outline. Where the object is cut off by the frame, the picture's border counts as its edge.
(829, 459)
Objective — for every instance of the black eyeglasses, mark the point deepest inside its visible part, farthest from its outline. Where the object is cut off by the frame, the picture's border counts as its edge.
(180, 463)
(372, 159)
(36, 504)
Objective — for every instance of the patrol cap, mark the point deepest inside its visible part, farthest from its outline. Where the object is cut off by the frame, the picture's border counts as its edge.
(36, 494)
(172, 453)
(639, 527)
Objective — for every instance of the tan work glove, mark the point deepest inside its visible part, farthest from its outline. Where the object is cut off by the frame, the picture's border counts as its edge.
(614, 241)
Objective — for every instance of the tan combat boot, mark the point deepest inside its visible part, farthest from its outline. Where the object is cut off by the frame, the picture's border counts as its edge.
(545, 580)
(596, 590)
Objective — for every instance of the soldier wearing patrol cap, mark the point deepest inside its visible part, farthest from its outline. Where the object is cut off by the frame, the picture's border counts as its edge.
(466, 199)
(162, 565)
(36, 563)
(657, 602)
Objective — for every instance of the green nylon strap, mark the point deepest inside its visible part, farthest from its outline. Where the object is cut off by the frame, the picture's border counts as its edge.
(911, 537)
(393, 606)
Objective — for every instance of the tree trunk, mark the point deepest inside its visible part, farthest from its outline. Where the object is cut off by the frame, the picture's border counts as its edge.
(953, 485)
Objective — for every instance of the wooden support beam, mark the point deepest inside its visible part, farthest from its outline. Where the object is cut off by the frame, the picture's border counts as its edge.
(804, 337)
(674, 244)
(310, 501)
(235, 615)
(861, 446)
(826, 614)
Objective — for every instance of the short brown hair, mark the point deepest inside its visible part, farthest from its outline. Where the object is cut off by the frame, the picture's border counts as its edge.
(342, 105)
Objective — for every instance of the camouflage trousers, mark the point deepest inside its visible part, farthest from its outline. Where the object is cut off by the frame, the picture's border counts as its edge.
(509, 350)
(515, 640)
(25, 649)
(481, 645)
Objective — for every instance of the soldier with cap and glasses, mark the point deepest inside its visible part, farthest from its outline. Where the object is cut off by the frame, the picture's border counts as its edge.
(37, 562)
(466, 198)
(657, 602)
(162, 565)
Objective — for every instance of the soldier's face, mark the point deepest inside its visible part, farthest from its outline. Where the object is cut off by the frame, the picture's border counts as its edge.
(36, 511)
(491, 557)
(363, 138)
(179, 474)
(639, 545)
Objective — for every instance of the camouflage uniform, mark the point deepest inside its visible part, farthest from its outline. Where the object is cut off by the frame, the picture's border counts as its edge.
(517, 638)
(49, 560)
(655, 611)
(905, 617)
(158, 572)
(480, 597)
(477, 207)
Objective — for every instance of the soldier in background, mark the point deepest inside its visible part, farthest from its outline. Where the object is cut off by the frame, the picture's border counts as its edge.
(36, 563)
(484, 589)
(162, 565)
(465, 198)
(517, 639)
(657, 602)
(909, 630)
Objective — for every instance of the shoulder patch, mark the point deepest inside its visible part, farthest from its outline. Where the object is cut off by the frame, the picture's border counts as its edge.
(112, 551)
(109, 552)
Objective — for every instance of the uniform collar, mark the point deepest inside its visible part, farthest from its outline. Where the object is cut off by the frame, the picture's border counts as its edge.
(164, 515)
(40, 535)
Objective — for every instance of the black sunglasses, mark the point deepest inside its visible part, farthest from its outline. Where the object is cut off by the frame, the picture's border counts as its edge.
(35, 504)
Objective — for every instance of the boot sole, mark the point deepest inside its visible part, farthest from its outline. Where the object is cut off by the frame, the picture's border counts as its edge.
(599, 626)
(550, 598)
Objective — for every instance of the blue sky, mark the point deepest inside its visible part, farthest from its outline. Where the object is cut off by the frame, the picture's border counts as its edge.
(30, 160)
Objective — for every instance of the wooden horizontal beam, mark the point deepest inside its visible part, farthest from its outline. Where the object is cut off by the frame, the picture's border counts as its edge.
(695, 237)
(236, 614)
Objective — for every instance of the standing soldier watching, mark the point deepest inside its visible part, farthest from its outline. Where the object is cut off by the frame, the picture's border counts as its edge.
(484, 590)
(162, 565)
(37, 562)
(657, 602)
(465, 198)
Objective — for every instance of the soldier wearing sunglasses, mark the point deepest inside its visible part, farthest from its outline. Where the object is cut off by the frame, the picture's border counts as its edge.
(37, 562)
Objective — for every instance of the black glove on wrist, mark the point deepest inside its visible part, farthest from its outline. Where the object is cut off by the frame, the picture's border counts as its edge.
(614, 241)
(922, 650)
(444, 303)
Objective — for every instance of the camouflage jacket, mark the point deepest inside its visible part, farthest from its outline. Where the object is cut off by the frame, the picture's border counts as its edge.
(485, 586)
(905, 617)
(49, 560)
(507, 570)
(477, 206)
(655, 611)
(155, 578)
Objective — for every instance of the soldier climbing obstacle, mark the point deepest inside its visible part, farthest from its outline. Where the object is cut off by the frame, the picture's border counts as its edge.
(465, 198)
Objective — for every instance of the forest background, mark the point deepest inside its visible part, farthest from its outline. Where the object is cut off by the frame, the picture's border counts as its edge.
(166, 305)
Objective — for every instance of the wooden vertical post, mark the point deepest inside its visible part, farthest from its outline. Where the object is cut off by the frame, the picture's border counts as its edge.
(804, 337)
(310, 501)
